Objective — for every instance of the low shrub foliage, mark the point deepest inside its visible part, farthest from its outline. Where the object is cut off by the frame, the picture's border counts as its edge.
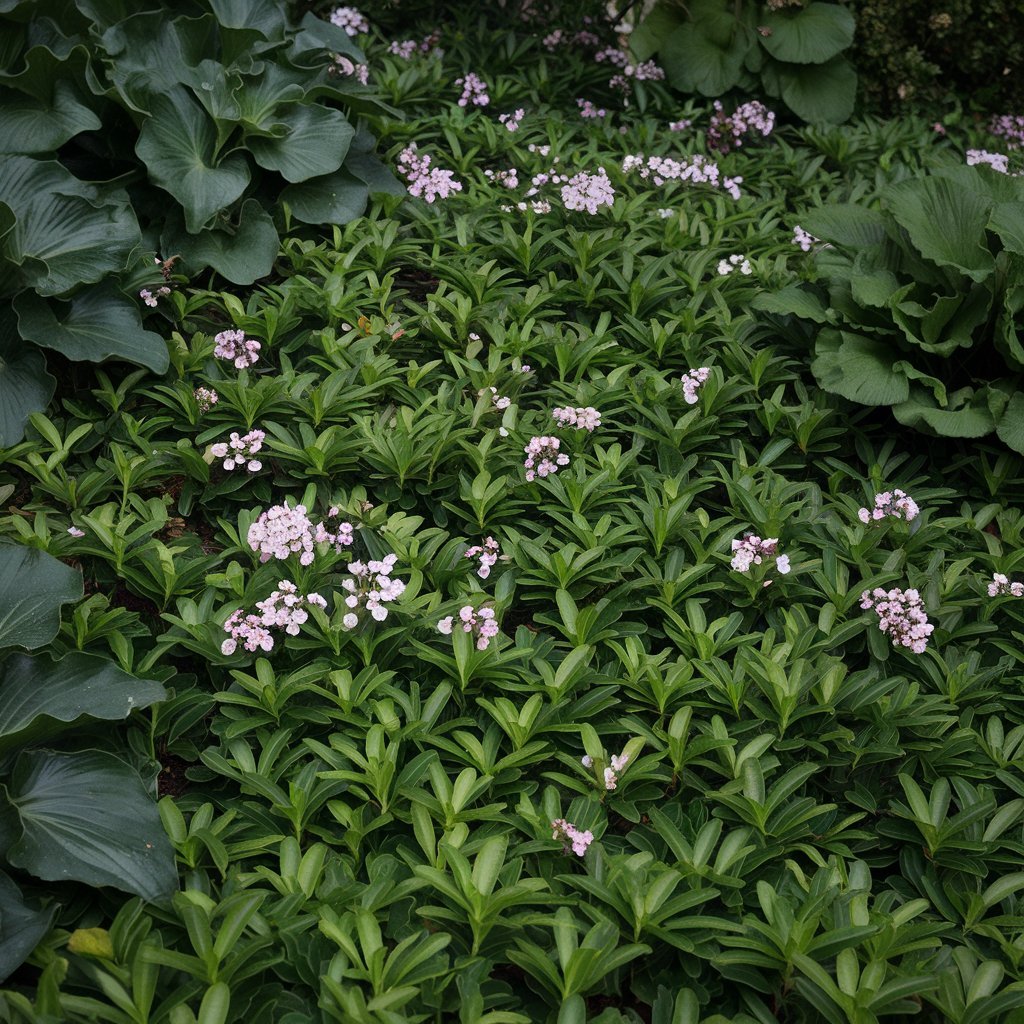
(539, 642)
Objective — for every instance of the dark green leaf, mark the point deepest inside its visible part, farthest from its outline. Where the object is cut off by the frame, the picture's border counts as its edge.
(98, 323)
(315, 143)
(967, 415)
(21, 927)
(858, 368)
(809, 35)
(25, 386)
(1010, 427)
(819, 92)
(333, 199)
(87, 816)
(33, 586)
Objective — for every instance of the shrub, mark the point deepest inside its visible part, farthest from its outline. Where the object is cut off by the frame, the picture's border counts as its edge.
(174, 128)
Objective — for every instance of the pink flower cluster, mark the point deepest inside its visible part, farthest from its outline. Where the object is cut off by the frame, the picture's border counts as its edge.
(426, 182)
(332, 530)
(474, 90)
(588, 419)
(1009, 127)
(569, 833)
(803, 238)
(284, 609)
(488, 555)
(735, 262)
(611, 773)
(997, 161)
(543, 457)
(282, 531)
(589, 111)
(999, 587)
(727, 131)
(584, 37)
(205, 398)
(347, 68)
(894, 504)
(234, 346)
(371, 588)
(240, 451)
(588, 192)
(647, 71)
(480, 622)
(408, 48)
(692, 382)
(901, 616)
(75, 532)
(697, 170)
(500, 402)
(150, 298)
(512, 121)
(507, 179)
(679, 126)
(350, 19)
(752, 550)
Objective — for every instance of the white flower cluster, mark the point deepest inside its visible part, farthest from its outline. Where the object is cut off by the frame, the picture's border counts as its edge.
(371, 587)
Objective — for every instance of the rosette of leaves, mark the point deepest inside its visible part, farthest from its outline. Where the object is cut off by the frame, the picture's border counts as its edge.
(790, 51)
(157, 126)
(920, 303)
(69, 812)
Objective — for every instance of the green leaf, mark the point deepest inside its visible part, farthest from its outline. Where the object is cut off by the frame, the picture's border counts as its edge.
(858, 368)
(67, 232)
(967, 415)
(846, 224)
(98, 323)
(266, 16)
(87, 816)
(1007, 221)
(705, 56)
(809, 35)
(378, 176)
(646, 39)
(315, 143)
(21, 927)
(317, 34)
(945, 222)
(33, 586)
(178, 146)
(25, 386)
(819, 92)
(332, 199)
(40, 126)
(793, 299)
(39, 697)
(1010, 428)
(242, 252)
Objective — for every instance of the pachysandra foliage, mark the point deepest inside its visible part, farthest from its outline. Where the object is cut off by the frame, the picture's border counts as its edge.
(521, 635)
(169, 127)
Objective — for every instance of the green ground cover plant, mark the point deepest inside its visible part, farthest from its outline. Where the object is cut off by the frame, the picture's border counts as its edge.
(537, 641)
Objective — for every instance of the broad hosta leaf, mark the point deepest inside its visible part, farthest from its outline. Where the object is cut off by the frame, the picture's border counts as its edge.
(967, 415)
(177, 144)
(266, 16)
(98, 323)
(318, 34)
(242, 253)
(819, 92)
(860, 369)
(40, 697)
(33, 586)
(38, 126)
(1007, 221)
(25, 386)
(21, 927)
(793, 299)
(945, 222)
(699, 60)
(377, 176)
(646, 39)
(333, 199)
(810, 35)
(87, 816)
(315, 143)
(66, 232)
(846, 224)
(1010, 428)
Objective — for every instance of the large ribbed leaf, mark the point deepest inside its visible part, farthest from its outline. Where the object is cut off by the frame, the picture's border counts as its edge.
(858, 368)
(25, 386)
(33, 586)
(33, 125)
(333, 199)
(40, 698)
(178, 146)
(87, 816)
(21, 926)
(1011, 425)
(315, 143)
(706, 54)
(946, 223)
(809, 35)
(846, 224)
(819, 92)
(98, 323)
(66, 232)
(968, 414)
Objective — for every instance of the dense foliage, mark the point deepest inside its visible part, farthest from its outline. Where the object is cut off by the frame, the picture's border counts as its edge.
(540, 643)
(171, 130)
